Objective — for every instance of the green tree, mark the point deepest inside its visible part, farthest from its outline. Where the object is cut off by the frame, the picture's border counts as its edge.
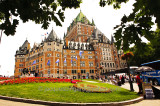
(148, 52)
(138, 24)
(39, 11)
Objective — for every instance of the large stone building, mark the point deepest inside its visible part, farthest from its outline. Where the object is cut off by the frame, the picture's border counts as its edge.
(85, 52)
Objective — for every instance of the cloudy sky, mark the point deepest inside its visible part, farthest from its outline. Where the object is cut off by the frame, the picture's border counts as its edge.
(105, 19)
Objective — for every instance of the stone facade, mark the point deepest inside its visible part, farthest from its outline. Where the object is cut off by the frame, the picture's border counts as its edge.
(85, 52)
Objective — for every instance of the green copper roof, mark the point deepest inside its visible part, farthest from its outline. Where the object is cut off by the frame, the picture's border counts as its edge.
(81, 18)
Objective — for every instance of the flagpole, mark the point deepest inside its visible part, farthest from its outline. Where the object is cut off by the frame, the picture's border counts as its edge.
(72, 64)
(77, 64)
(80, 63)
(80, 68)
(58, 70)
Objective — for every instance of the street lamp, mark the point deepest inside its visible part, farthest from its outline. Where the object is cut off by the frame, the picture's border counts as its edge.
(126, 57)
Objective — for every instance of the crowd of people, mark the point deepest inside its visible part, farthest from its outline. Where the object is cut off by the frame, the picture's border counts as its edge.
(121, 79)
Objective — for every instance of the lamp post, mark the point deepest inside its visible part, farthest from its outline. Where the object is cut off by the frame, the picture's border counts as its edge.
(126, 57)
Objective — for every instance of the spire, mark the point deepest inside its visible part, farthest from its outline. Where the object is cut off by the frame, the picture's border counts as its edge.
(64, 35)
(112, 39)
(93, 22)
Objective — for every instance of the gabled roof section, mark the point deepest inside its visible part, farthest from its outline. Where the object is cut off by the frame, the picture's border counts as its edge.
(52, 36)
(98, 35)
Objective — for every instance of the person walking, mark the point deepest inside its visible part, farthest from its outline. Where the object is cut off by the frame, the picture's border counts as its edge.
(122, 79)
(139, 83)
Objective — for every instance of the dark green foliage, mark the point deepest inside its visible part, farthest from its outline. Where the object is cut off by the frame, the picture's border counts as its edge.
(138, 24)
(39, 11)
(147, 52)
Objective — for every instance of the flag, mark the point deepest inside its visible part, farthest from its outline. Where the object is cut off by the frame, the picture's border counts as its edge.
(65, 60)
(76, 57)
(34, 62)
(80, 53)
(57, 61)
(48, 63)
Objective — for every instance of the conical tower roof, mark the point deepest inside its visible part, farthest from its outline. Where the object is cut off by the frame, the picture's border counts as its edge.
(81, 18)
(23, 49)
(25, 44)
(52, 36)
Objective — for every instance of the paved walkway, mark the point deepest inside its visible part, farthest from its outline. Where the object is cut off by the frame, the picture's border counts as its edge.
(13, 103)
(146, 103)
(127, 86)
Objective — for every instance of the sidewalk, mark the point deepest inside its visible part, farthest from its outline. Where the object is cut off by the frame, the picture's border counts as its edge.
(13, 103)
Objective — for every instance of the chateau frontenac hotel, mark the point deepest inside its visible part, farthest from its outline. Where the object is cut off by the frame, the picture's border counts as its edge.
(85, 52)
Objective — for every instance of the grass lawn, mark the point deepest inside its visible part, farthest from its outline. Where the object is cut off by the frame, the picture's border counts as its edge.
(60, 92)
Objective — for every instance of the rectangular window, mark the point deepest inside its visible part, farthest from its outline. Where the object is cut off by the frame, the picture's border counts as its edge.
(83, 71)
(49, 71)
(49, 43)
(65, 72)
(89, 57)
(89, 52)
(49, 55)
(57, 44)
(82, 57)
(41, 65)
(74, 71)
(37, 67)
(57, 64)
(20, 65)
(37, 61)
(72, 51)
(57, 55)
(57, 71)
(65, 64)
(19, 70)
(97, 65)
(49, 49)
(91, 71)
(21, 60)
(90, 64)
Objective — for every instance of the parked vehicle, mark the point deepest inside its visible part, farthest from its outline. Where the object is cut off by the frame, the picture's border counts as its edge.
(152, 76)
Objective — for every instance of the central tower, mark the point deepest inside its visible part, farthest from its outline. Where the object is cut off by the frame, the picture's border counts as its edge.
(80, 29)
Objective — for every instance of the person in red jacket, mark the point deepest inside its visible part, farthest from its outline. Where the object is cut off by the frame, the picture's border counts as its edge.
(139, 82)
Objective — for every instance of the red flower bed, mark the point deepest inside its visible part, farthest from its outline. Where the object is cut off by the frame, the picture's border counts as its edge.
(91, 88)
(35, 80)
(4, 78)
